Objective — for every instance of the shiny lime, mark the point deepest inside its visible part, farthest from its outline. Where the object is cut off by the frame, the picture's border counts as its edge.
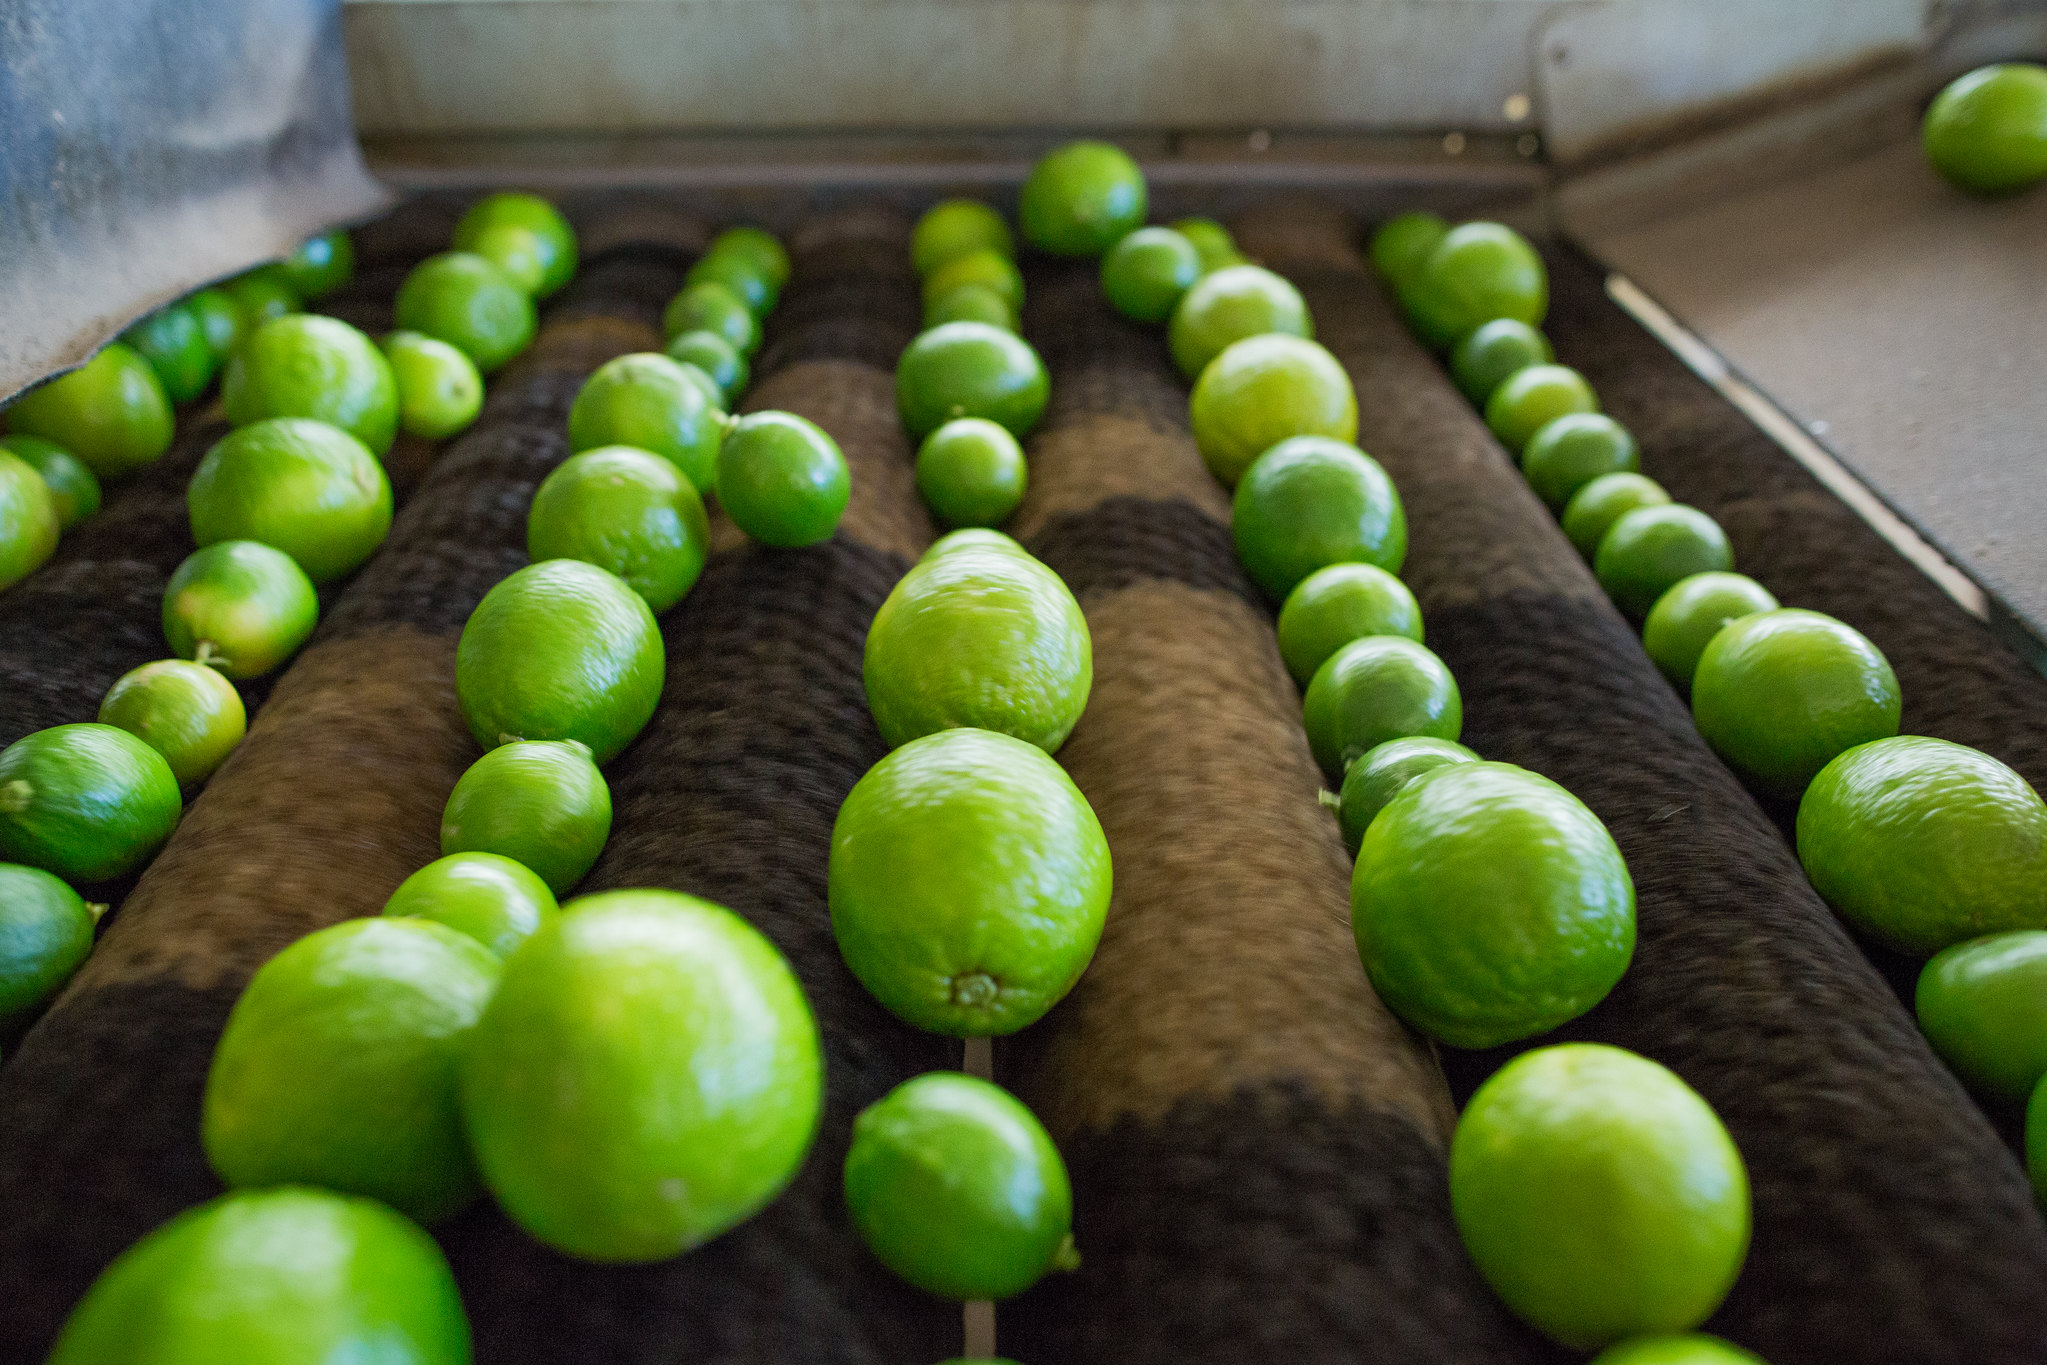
(988, 268)
(1263, 390)
(1987, 131)
(492, 899)
(1478, 272)
(74, 492)
(744, 275)
(782, 479)
(1310, 502)
(462, 299)
(758, 245)
(716, 357)
(240, 606)
(957, 227)
(111, 412)
(321, 265)
(970, 369)
(306, 365)
(1082, 199)
(1570, 452)
(1145, 274)
(1372, 781)
(307, 488)
(85, 801)
(1649, 550)
(1691, 612)
(220, 321)
(1374, 689)
(440, 391)
(1401, 245)
(186, 711)
(1983, 1005)
(537, 216)
(541, 803)
(1228, 305)
(1335, 605)
(1211, 241)
(710, 307)
(649, 401)
(263, 295)
(628, 511)
(1594, 509)
(970, 303)
(518, 252)
(45, 932)
(1494, 351)
(1682, 1348)
(971, 472)
(29, 522)
(1531, 398)
(175, 345)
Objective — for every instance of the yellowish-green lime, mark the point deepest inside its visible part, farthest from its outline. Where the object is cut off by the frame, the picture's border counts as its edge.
(306, 365)
(240, 606)
(307, 488)
(537, 216)
(956, 227)
(29, 522)
(492, 899)
(1262, 390)
(1225, 306)
(626, 510)
(1333, 606)
(186, 711)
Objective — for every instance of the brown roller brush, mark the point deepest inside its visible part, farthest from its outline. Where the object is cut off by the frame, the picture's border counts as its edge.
(333, 799)
(1257, 1146)
(1890, 1223)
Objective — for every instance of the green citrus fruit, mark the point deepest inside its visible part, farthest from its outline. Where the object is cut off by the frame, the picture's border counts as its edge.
(186, 711)
(782, 479)
(440, 391)
(1599, 1194)
(981, 635)
(537, 216)
(1780, 693)
(970, 303)
(1920, 842)
(648, 1076)
(518, 252)
(1531, 398)
(710, 307)
(1494, 351)
(111, 412)
(1211, 241)
(240, 606)
(956, 227)
(628, 511)
(175, 345)
(273, 1277)
(29, 523)
(970, 369)
(321, 265)
(1691, 612)
(492, 899)
(85, 801)
(1647, 551)
(262, 295)
(74, 492)
(1372, 781)
(649, 401)
(462, 299)
(307, 488)
(1478, 272)
(969, 882)
(971, 472)
(1343, 602)
(706, 385)
(1310, 502)
(560, 650)
(306, 365)
(45, 932)
(1082, 199)
(338, 1066)
(1983, 1006)
(1684, 1348)
(1570, 452)
(220, 320)
(1374, 689)
(957, 1188)
(713, 355)
(1146, 273)
(541, 803)
(988, 268)
(1987, 131)
(1263, 390)
(745, 275)
(758, 245)
(1228, 305)
(1402, 244)
(1594, 509)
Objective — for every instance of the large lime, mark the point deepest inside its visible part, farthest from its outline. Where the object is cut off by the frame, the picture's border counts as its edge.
(649, 401)
(321, 265)
(1780, 693)
(1570, 452)
(648, 1075)
(74, 492)
(1531, 398)
(1211, 241)
(537, 216)
(262, 295)
(969, 882)
(440, 391)
(958, 1188)
(1333, 606)
(758, 245)
(988, 268)
(1401, 245)
(1374, 689)
(1983, 1006)
(710, 307)
(29, 523)
(220, 320)
(1599, 1194)
(955, 227)
(175, 345)
(1082, 199)
(1263, 390)
(306, 365)
(1478, 272)
(715, 356)
(85, 801)
(1647, 551)
(45, 932)
(1594, 508)
(971, 472)
(628, 511)
(1228, 305)
(1310, 502)
(492, 899)
(186, 711)
(743, 274)
(1145, 274)
(1372, 781)
(1684, 1348)
(239, 606)
(970, 369)
(111, 412)
(462, 299)
(518, 252)
(541, 803)
(782, 479)
(1494, 351)
(1691, 612)
(307, 488)
(1987, 131)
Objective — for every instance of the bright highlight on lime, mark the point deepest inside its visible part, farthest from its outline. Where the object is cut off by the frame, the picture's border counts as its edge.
(536, 215)
(439, 390)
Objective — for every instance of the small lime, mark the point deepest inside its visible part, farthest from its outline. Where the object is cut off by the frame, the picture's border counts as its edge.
(741, 273)
(1687, 1348)
(1374, 689)
(541, 803)
(970, 369)
(758, 245)
(74, 491)
(240, 606)
(970, 303)
(626, 510)
(1570, 452)
(111, 412)
(955, 227)
(1211, 241)
(462, 299)
(1594, 509)
(1228, 305)
(971, 472)
(307, 488)
(1146, 273)
(537, 216)
(782, 479)
(1691, 613)
(306, 365)
(649, 401)
(220, 320)
(1082, 199)
(29, 522)
(186, 711)
(85, 801)
(1646, 551)
(713, 355)
(1333, 606)
(1402, 244)
(518, 252)
(1531, 398)
(175, 345)
(45, 932)
(1260, 392)
(1492, 352)
(987, 268)
(709, 307)
(1983, 1006)
(1372, 781)
(1478, 272)
(492, 899)
(262, 295)
(440, 391)
(1987, 131)
(321, 265)
(1310, 502)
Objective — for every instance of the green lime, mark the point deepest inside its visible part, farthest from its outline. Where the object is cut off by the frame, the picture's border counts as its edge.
(1402, 244)
(1646, 551)
(1228, 305)
(1490, 905)
(541, 803)
(111, 412)
(1478, 272)
(1375, 778)
(1780, 693)
(745, 275)
(45, 932)
(971, 472)
(29, 523)
(306, 365)
(440, 391)
(981, 635)
(1983, 1006)
(492, 899)
(321, 265)
(957, 227)
(1081, 199)
(758, 245)
(2036, 1140)
(518, 252)
(700, 377)
(1594, 509)
(1987, 131)
(175, 345)
(462, 299)
(1918, 842)
(1145, 274)
(648, 1076)
(307, 488)
(710, 307)
(1335, 605)
(1531, 398)
(969, 882)
(74, 492)
(262, 295)
(1310, 502)
(1570, 452)
(974, 538)
(537, 216)
(957, 1188)
(782, 479)
(240, 606)
(970, 303)
(560, 650)
(338, 1066)
(713, 355)
(273, 1277)
(1212, 243)
(1685, 1348)
(988, 268)
(220, 321)
(1691, 612)
(628, 511)
(649, 401)
(1374, 689)
(970, 369)
(85, 801)
(1494, 351)
(1263, 390)
(186, 711)
(1600, 1196)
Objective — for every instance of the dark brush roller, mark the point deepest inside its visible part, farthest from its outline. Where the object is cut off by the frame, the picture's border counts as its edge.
(1890, 1223)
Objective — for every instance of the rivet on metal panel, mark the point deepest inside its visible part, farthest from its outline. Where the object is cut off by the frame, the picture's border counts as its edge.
(1517, 107)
